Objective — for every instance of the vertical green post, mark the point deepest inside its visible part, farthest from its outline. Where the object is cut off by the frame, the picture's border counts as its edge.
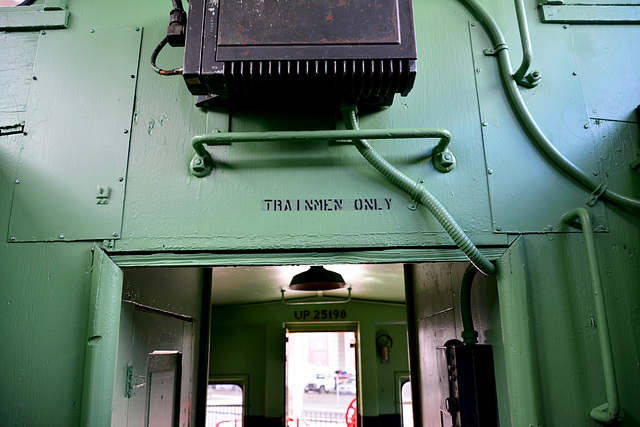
(102, 341)
(519, 352)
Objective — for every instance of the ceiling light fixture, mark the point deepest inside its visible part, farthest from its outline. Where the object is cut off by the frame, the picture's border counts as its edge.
(317, 278)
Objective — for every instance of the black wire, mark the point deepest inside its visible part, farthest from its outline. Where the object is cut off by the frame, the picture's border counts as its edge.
(177, 4)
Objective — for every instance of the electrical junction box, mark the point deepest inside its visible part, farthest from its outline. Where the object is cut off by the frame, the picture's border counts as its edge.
(356, 50)
(468, 385)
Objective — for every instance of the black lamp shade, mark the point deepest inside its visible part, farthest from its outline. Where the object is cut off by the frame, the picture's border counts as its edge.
(317, 278)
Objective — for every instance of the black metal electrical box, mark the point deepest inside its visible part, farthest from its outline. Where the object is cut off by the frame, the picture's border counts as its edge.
(469, 395)
(358, 50)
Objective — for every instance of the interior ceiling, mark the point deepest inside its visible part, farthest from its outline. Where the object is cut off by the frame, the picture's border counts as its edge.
(246, 285)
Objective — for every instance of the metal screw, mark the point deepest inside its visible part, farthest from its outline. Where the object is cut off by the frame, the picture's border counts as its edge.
(489, 171)
(120, 179)
(485, 124)
(34, 78)
(412, 206)
(137, 28)
(586, 125)
(17, 181)
(62, 236)
(473, 24)
(43, 32)
(24, 133)
(565, 26)
(478, 70)
(421, 181)
(197, 162)
(92, 30)
(115, 234)
(498, 228)
(595, 173)
(133, 76)
(125, 130)
(575, 73)
(13, 238)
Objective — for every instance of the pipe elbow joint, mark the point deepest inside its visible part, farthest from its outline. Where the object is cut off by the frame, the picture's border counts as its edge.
(604, 415)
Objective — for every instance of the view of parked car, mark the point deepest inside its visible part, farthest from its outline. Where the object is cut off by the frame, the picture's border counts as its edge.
(321, 383)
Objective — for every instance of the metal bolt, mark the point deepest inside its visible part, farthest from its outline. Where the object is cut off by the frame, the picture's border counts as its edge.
(478, 70)
(17, 181)
(125, 130)
(595, 173)
(586, 125)
(115, 234)
(24, 133)
(473, 24)
(43, 32)
(62, 236)
(120, 179)
(197, 162)
(412, 206)
(13, 238)
(489, 171)
(92, 30)
(133, 76)
(421, 181)
(137, 28)
(34, 78)
(575, 73)
(565, 26)
(498, 228)
(485, 124)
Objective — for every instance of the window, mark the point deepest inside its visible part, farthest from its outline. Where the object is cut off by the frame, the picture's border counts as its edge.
(225, 402)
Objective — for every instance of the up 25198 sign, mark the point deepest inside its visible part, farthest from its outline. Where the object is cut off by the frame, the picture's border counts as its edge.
(320, 314)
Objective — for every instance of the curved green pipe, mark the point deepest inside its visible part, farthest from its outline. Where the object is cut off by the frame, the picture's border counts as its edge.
(521, 77)
(609, 412)
(527, 120)
(419, 193)
(469, 334)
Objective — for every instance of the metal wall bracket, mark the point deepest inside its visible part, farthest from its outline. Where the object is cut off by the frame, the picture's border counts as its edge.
(595, 195)
(133, 382)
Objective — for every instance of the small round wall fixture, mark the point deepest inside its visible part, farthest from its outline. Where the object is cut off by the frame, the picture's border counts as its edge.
(317, 278)
(11, 3)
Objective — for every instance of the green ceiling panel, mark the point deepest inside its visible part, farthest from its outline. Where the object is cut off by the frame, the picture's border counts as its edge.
(72, 172)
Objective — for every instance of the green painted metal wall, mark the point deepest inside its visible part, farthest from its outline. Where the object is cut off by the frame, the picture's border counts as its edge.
(585, 104)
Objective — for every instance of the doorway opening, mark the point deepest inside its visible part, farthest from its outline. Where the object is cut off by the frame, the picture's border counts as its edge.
(321, 378)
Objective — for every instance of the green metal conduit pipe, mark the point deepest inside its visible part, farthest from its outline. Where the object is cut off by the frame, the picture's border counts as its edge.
(202, 163)
(517, 103)
(469, 334)
(419, 193)
(609, 412)
(521, 77)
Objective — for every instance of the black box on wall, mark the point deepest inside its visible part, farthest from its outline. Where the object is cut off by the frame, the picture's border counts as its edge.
(358, 50)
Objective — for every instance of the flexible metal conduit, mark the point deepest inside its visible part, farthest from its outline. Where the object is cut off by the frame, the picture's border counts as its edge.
(609, 412)
(527, 120)
(419, 193)
(469, 334)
